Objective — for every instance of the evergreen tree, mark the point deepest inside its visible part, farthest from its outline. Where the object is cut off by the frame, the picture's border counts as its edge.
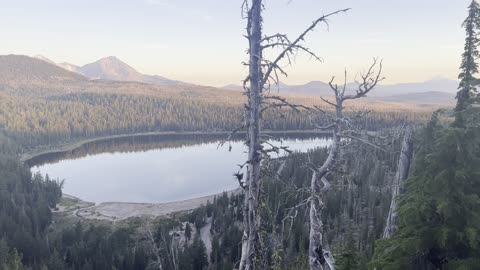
(439, 215)
(9, 258)
(188, 231)
(199, 254)
(348, 258)
(14, 261)
(469, 67)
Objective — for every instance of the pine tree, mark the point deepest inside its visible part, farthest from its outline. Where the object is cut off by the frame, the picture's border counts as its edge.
(199, 253)
(14, 261)
(469, 67)
(188, 231)
(439, 215)
(348, 258)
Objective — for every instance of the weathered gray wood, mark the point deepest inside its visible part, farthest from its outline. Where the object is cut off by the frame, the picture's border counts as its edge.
(252, 191)
(403, 170)
(261, 73)
(320, 258)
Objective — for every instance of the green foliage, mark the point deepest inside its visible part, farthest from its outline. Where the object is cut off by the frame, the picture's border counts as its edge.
(97, 247)
(52, 112)
(199, 254)
(348, 258)
(357, 204)
(469, 66)
(9, 258)
(439, 215)
(25, 214)
(188, 231)
(225, 213)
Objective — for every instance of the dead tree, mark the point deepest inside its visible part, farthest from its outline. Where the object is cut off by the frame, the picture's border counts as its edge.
(262, 73)
(403, 169)
(157, 248)
(344, 131)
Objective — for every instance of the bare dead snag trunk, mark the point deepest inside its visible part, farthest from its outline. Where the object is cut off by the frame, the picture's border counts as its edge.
(262, 73)
(252, 192)
(404, 164)
(342, 127)
(315, 249)
(319, 257)
(155, 249)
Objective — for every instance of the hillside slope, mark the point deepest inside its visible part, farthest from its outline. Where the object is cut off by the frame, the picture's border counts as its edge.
(15, 69)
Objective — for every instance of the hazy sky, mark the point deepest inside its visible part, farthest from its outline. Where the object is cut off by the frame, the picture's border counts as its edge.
(202, 41)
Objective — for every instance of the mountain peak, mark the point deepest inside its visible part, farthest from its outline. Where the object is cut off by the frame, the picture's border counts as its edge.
(114, 62)
(111, 68)
(43, 58)
(114, 69)
(111, 59)
(106, 68)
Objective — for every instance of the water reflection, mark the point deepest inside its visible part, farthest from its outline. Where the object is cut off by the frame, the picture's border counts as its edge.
(159, 168)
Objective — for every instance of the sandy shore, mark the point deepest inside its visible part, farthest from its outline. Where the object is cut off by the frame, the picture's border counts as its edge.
(115, 211)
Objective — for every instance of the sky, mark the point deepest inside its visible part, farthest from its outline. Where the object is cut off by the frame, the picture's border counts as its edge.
(202, 41)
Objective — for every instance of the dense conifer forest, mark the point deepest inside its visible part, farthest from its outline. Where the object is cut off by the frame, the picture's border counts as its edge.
(42, 109)
(53, 106)
(437, 219)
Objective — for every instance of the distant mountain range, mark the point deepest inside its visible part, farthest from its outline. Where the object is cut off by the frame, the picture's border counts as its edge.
(22, 75)
(114, 69)
(16, 68)
(436, 91)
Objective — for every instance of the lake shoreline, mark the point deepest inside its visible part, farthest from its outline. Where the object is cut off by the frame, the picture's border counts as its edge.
(121, 208)
(69, 146)
(118, 211)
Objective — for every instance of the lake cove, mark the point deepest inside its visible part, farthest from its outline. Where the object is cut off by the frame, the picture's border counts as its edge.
(155, 168)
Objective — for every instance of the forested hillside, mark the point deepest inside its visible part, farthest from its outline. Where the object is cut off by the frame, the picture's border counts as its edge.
(397, 187)
(357, 207)
(25, 214)
(439, 210)
(43, 104)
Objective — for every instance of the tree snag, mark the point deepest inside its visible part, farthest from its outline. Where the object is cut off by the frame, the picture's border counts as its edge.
(403, 170)
(343, 131)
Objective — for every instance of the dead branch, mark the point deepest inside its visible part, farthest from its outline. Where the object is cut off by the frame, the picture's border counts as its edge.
(295, 44)
(341, 127)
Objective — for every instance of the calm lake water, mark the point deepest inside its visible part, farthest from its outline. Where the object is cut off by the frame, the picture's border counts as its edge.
(154, 169)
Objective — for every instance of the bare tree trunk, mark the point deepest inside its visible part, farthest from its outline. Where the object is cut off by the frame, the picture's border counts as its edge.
(263, 72)
(315, 249)
(403, 170)
(252, 191)
(155, 248)
(319, 258)
(341, 127)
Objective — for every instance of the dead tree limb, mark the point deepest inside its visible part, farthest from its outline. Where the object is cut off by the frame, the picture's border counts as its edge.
(155, 248)
(320, 257)
(262, 73)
